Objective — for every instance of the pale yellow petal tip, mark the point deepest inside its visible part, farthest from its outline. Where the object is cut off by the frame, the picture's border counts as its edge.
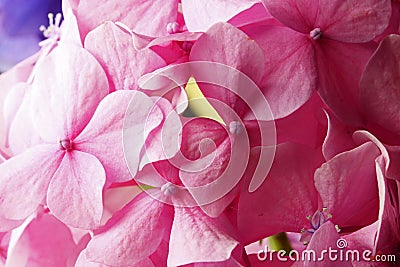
(198, 104)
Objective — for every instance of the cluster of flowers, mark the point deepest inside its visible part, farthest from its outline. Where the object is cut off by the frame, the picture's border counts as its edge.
(176, 133)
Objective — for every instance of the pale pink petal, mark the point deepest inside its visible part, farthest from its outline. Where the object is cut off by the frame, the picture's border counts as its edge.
(69, 29)
(379, 93)
(7, 225)
(339, 90)
(22, 132)
(291, 175)
(13, 101)
(68, 86)
(123, 64)
(18, 73)
(133, 233)
(189, 227)
(300, 15)
(103, 136)
(164, 141)
(224, 43)
(348, 188)
(353, 21)
(75, 192)
(44, 242)
(137, 128)
(143, 17)
(28, 175)
(200, 15)
(290, 72)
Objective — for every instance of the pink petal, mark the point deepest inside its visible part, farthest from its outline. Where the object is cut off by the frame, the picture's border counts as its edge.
(75, 192)
(388, 235)
(164, 141)
(200, 15)
(142, 117)
(103, 136)
(353, 21)
(44, 242)
(191, 225)
(291, 175)
(338, 138)
(347, 185)
(338, 89)
(300, 15)
(68, 86)
(224, 43)
(123, 64)
(324, 238)
(290, 73)
(379, 93)
(143, 17)
(29, 174)
(133, 233)
(304, 126)
(211, 173)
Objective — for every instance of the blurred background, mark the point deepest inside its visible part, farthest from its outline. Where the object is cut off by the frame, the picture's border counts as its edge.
(20, 21)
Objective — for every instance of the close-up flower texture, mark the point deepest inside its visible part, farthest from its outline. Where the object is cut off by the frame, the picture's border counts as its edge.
(152, 133)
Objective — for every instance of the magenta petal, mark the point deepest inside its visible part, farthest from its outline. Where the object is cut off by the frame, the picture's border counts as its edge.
(290, 73)
(380, 93)
(123, 64)
(300, 15)
(29, 174)
(202, 14)
(348, 188)
(388, 234)
(291, 175)
(102, 137)
(353, 21)
(339, 90)
(338, 138)
(143, 17)
(75, 192)
(191, 226)
(66, 97)
(324, 238)
(133, 233)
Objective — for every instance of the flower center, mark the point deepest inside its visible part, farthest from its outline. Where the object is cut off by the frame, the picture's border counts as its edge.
(173, 27)
(65, 144)
(316, 34)
(168, 189)
(235, 127)
(53, 31)
(316, 221)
